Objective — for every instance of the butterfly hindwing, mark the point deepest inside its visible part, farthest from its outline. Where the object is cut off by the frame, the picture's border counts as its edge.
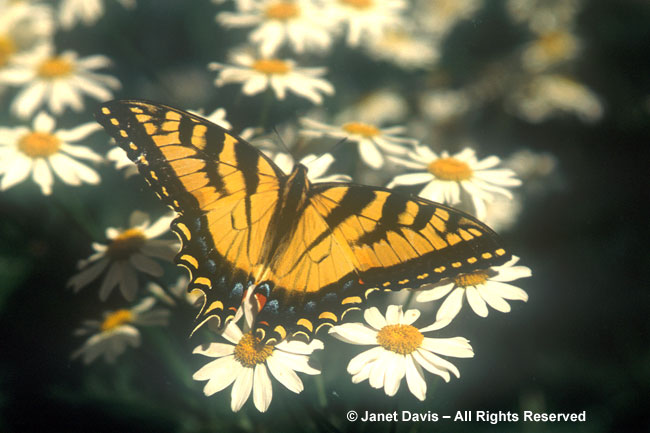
(224, 190)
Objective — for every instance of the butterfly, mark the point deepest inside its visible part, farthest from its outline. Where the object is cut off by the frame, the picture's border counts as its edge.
(308, 253)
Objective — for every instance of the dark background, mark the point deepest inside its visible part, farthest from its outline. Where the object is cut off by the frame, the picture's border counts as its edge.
(580, 343)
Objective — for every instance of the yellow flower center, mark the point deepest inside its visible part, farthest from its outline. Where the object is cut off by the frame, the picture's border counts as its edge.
(450, 169)
(7, 48)
(359, 4)
(39, 144)
(475, 278)
(272, 66)
(250, 351)
(282, 11)
(116, 318)
(125, 244)
(362, 129)
(55, 67)
(556, 44)
(402, 339)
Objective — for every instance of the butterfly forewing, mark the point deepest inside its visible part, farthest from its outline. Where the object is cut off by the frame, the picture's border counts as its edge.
(224, 190)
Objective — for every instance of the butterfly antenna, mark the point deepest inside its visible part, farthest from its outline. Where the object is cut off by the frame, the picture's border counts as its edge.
(332, 149)
(282, 143)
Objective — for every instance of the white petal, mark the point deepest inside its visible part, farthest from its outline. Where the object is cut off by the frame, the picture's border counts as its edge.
(354, 333)
(146, 265)
(214, 350)
(232, 333)
(393, 314)
(221, 374)
(436, 293)
(87, 275)
(476, 302)
(507, 291)
(458, 347)
(295, 362)
(42, 175)
(415, 379)
(410, 316)
(216, 369)
(369, 356)
(394, 373)
(374, 318)
(110, 280)
(492, 298)
(377, 377)
(26, 102)
(16, 172)
(438, 362)
(284, 375)
(79, 133)
(242, 388)
(451, 306)
(370, 154)
(262, 388)
(43, 122)
(430, 367)
(410, 179)
(129, 281)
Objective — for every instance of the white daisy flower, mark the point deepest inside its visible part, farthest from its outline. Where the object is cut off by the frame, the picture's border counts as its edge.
(112, 335)
(548, 95)
(298, 22)
(128, 251)
(401, 350)
(404, 49)
(370, 138)
(366, 19)
(42, 150)
(482, 288)
(549, 49)
(23, 26)
(246, 362)
(445, 175)
(257, 75)
(316, 165)
(58, 80)
(86, 11)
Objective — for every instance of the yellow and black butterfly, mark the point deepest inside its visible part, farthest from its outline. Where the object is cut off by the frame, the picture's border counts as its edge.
(310, 252)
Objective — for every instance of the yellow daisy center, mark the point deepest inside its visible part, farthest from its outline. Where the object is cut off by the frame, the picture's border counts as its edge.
(402, 339)
(362, 129)
(475, 278)
(7, 48)
(250, 351)
(556, 44)
(359, 4)
(272, 66)
(282, 11)
(450, 169)
(125, 244)
(39, 144)
(55, 67)
(116, 318)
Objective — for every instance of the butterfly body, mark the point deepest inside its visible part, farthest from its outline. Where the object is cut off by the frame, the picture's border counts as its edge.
(309, 252)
